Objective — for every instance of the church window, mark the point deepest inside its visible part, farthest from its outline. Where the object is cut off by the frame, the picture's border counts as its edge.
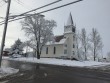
(65, 45)
(73, 46)
(18, 52)
(67, 27)
(73, 29)
(65, 51)
(54, 50)
(47, 50)
(73, 53)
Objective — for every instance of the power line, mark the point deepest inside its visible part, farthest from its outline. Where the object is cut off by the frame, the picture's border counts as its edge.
(14, 16)
(22, 4)
(45, 11)
(40, 7)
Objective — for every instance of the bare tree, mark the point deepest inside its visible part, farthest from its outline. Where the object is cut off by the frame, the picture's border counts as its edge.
(96, 43)
(77, 40)
(84, 42)
(39, 30)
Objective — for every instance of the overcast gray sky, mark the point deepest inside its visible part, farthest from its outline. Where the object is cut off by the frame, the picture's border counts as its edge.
(86, 14)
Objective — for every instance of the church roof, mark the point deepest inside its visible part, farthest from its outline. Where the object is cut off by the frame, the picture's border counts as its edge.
(58, 38)
(70, 20)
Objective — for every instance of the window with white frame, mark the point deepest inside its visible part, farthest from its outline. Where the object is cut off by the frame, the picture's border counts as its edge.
(65, 51)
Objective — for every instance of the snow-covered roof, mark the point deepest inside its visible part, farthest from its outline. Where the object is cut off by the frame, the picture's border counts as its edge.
(58, 38)
(62, 41)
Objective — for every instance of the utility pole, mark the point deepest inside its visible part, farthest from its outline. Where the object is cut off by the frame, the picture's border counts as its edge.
(5, 29)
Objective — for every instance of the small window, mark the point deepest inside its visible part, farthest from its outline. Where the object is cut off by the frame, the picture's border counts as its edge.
(65, 51)
(73, 46)
(65, 45)
(73, 30)
(67, 26)
(18, 52)
(47, 50)
(73, 53)
(54, 50)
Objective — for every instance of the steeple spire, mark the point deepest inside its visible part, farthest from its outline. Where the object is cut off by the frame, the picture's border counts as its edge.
(70, 20)
(70, 26)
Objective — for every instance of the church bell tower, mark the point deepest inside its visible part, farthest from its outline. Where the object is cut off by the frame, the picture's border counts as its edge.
(69, 27)
(69, 33)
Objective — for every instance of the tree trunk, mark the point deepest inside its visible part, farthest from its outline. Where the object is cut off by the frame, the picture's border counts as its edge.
(35, 53)
(38, 54)
(85, 54)
(94, 55)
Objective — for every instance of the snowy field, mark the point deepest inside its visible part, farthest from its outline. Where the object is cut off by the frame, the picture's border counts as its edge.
(60, 62)
(7, 71)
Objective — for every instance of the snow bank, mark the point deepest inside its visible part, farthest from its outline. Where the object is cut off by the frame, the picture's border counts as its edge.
(7, 71)
(60, 62)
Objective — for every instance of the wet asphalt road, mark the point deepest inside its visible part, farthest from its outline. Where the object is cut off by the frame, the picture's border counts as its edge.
(35, 73)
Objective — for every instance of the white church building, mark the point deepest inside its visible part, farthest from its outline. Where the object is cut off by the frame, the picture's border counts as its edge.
(64, 45)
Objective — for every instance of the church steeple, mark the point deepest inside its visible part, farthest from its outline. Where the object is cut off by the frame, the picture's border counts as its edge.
(70, 20)
(69, 27)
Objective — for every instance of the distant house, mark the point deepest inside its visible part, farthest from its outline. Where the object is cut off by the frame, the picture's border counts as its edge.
(63, 45)
(29, 54)
(5, 53)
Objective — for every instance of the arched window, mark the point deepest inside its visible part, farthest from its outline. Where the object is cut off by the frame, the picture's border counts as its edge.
(73, 46)
(47, 50)
(54, 50)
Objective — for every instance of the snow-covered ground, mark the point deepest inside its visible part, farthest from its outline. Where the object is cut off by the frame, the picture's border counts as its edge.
(7, 71)
(60, 62)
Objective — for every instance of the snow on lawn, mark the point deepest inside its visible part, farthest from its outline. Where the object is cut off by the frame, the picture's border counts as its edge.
(7, 71)
(61, 62)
